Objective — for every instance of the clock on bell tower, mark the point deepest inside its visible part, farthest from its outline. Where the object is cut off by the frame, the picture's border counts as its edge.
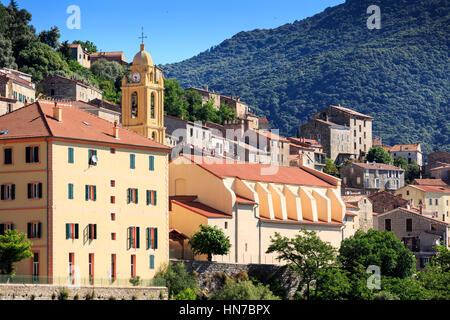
(143, 98)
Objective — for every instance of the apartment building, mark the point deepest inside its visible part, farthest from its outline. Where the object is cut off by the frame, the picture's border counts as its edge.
(16, 90)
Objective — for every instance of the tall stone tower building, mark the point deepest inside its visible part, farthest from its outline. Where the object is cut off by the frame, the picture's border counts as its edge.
(143, 98)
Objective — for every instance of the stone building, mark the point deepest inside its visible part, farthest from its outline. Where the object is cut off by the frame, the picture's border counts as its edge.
(117, 56)
(416, 230)
(100, 110)
(80, 55)
(311, 151)
(372, 177)
(62, 88)
(363, 208)
(436, 159)
(343, 133)
(207, 96)
(16, 90)
(411, 152)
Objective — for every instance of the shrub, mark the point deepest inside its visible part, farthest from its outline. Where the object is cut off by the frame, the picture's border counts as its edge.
(112, 298)
(385, 295)
(63, 294)
(161, 295)
(186, 294)
(32, 297)
(76, 297)
(244, 290)
(240, 276)
(53, 296)
(90, 296)
(135, 281)
(177, 278)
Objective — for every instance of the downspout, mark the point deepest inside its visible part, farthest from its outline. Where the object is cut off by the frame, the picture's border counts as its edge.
(236, 231)
(48, 231)
(259, 233)
(343, 230)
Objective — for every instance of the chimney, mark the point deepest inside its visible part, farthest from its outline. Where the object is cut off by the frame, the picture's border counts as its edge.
(116, 130)
(300, 160)
(57, 112)
(206, 87)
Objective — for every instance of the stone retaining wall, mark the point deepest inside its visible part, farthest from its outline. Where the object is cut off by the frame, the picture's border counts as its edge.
(45, 292)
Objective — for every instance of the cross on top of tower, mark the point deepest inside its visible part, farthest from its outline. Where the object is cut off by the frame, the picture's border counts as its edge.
(142, 37)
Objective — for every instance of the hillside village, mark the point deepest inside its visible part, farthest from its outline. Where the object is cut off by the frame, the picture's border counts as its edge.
(111, 192)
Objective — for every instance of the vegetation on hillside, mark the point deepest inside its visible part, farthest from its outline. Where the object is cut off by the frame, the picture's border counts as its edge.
(398, 74)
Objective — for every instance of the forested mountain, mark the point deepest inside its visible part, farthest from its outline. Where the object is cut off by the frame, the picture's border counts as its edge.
(398, 74)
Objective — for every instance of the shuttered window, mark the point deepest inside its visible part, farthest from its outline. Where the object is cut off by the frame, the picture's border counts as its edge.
(151, 163)
(34, 190)
(152, 238)
(70, 191)
(92, 153)
(132, 161)
(151, 197)
(133, 237)
(132, 195)
(7, 152)
(72, 231)
(34, 230)
(91, 193)
(32, 154)
(8, 192)
(92, 231)
(70, 155)
(152, 261)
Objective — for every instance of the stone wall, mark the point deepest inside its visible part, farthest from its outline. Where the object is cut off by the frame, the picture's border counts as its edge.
(210, 275)
(51, 292)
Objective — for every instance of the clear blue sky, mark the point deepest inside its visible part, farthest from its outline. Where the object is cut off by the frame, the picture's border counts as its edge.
(176, 29)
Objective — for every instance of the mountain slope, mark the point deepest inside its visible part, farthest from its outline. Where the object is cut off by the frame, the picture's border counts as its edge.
(398, 74)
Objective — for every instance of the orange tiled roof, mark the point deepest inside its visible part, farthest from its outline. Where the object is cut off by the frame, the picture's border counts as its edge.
(432, 189)
(271, 135)
(36, 120)
(417, 212)
(348, 205)
(349, 213)
(353, 112)
(199, 208)
(404, 147)
(255, 172)
(240, 199)
(381, 166)
(304, 221)
(429, 182)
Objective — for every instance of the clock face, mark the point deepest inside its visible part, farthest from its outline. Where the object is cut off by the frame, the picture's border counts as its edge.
(136, 77)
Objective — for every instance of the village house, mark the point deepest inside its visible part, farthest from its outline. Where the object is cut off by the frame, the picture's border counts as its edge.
(363, 208)
(62, 88)
(16, 90)
(436, 159)
(307, 152)
(117, 56)
(410, 152)
(384, 201)
(80, 55)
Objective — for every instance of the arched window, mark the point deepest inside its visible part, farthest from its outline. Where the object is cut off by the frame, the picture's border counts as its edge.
(134, 105)
(152, 106)
(153, 136)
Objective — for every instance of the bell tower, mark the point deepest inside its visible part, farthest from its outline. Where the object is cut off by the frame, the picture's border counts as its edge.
(143, 98)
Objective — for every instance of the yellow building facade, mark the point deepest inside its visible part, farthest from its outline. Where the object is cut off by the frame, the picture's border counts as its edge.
(90, 195)
(250, 203)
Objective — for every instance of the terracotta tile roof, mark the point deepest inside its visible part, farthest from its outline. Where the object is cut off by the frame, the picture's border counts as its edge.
(17, 79)
(240, 199)
(352, 112)
(348, 205)
(255, 172)
(379, 166)
(431, 189)
(36, 120)
(384, 201)
(301, 147)
(353, 198)
(330, 123)
(430, 182)
(271, 135)
(111, 53)
(417, 212)
(405, 147)
(303, 141)
(439, 168)
(349, 213)
(200, 208)
(304, 221)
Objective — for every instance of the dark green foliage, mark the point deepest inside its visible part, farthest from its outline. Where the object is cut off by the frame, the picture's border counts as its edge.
(210, 240)
(50, 37)
(330, 167)
(380, 248)
(379, 155)
(177, 278)
(244, 290)
(14, 247)
(63, 294)
(404, 289)
(87, 45)
(331, 284)
(398, 74)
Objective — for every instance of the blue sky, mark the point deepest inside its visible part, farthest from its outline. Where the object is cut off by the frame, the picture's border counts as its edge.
(176, 29)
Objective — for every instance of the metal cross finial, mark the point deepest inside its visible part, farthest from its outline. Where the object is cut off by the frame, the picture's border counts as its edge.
(142, 37)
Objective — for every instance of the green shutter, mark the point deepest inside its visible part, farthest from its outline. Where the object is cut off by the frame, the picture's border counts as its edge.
(71, 160)
(95, 193)
(151, 160)
(154, 198)
(148, 197)
(87, 192)
(152, 261)
(137, 237)
(129, 234)
(155, 245)
(67, 230)
(70, 191)
(132, 161)
(128, 195)
(76, 231)
(95, 231)
(137, 191)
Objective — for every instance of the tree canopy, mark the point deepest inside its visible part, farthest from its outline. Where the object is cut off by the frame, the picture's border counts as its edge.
(379, 155)
(14, 247)
(210, 240)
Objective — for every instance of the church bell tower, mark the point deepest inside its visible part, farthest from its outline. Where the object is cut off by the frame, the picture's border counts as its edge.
(143, 98)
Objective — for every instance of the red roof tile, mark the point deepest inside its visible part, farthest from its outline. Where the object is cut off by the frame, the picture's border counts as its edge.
(404, 147)
(304, 221)
(352, 112)
(200, 208)
(429, 182)
(432, 189)
(240, 199)
(36, 120)
(255, 172)
(380, 166)
(349, 213)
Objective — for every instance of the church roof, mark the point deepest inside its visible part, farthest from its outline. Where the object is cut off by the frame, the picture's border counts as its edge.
(142, 58)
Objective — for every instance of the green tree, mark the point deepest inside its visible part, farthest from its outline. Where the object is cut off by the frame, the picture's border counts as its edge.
(174, 104)
(107, 70)
(332, 284)
(401, 163)
(225, 114)
(306, 254)
(14, 247)
(50, 37)
(6, 54)
(244, 290)
(412, 172)
(210, 240)
(379, 155)
(186, 294)
(177, 278)
(405, 289)
(330, 167)
(379, 248)
(89, 46)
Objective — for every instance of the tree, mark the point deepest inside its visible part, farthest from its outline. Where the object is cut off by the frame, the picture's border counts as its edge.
(6, 54)
(401, 163)
(379, 155)
(107, 70)
(210, 240)
(244, 290)
(379, 248)
(330, 167)
(50, 37)
(174, 105)
(177, 278)
(404, 288)
(225, 114)
(332, 284)
(14, 247)
(412, 172)
(89, 46)
(306, 254)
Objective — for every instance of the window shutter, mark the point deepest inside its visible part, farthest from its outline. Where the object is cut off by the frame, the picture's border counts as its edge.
(2, 192)
(71, 160)
(154, 197)
(136, 191)
(137, 237)
(148, 197)
(40, 190)
(28, 154)
(152, 261)
(89, 156)
(13, 191)
(90, 231)
(29, 230)
(36, 154)
(95, 193)
(70, 191)
(67, 230)
(128, 195)
(129, 237)
(39, 230)
(30, 191)
(87, 192)
(132, 161)
(76, 231)
(151, 163)
(155, 245)
(95, 231)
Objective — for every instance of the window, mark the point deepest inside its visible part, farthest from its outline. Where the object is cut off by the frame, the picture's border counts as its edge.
(431, 202)
(226, 225)
(70, 191)
(377, 183)
(134, 105)
(113, 236)
(408, 225)
(7, 152)
(72, 267)
(113, 183)
(132, 195)
(151, 197)
(112, 150)
(10, 107)
(32, 154)
(91, 268)
(5, 227)
(113, 199)
(91, 159)
(70, 155)
(133, 237)
(436, 201)
(407, 192)
(151, 163)
(152, 238)
(92, 231)
(424, 261)
(113, 217)
(35, 267)
(72, 231)
(152, 106)
(359, 128)
(132, 161)
(34, 230)
(113, 267)
(8, 192)
(91, 193)
(387, 224)
(133, 266)
(152, 262)
(34, 190)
